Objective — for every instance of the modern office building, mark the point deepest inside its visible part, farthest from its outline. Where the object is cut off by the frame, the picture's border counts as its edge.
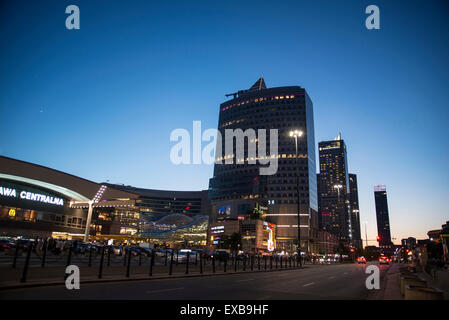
(383, 219)
(236, 189)
(355, 211)
(334, 202)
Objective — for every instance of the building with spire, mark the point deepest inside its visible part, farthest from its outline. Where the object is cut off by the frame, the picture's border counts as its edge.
(236, 189)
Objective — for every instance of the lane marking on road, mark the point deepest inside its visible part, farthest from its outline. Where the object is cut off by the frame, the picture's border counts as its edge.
(165, 290)
(244, 280)
(309, 284)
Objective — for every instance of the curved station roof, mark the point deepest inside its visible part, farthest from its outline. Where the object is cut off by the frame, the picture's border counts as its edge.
(70, 186)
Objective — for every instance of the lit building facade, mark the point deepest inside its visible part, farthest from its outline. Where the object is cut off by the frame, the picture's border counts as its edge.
(334, 202)
(383, 219)
(235, 189)
(355, 211)
(36, 201)
(171, 216)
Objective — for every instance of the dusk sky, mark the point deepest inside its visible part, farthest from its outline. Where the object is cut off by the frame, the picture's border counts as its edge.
(101, 102)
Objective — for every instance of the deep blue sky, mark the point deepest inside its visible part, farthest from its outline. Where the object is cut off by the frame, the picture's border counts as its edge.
(100, 102)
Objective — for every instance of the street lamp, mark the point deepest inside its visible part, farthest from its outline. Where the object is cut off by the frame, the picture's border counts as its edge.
(338, 187)
(296, 134)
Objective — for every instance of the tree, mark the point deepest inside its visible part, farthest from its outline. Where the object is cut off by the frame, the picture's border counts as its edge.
(233, 242)
(255, 214)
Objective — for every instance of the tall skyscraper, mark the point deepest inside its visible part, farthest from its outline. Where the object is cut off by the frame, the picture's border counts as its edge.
(239, 187)
(333, 193)
(383, 219)
(355, 211)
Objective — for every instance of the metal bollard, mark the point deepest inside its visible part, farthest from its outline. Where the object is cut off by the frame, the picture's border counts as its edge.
(187, 262)
(170, 270)
(251, 259)
(90, 257)
(129, 264)
(140, 258)
(225, 264)
(276, 258)
(69, 256)
(177, 256)
(201, 264)
(258, 262)
(100, 271)
(151, 262)
(109, 256)
(16, 253)
(196, 258)
(271, 262)
(44, 253)
(27, 262)
(166, 257)
(280, 260)
(244, 263)
(265, 261)
(213, 264)
(125, 256)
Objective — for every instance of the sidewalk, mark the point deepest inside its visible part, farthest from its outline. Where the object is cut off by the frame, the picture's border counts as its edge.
(390, 286)
(439, 281)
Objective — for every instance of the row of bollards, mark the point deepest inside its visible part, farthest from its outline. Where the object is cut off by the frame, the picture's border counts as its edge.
(254, 261)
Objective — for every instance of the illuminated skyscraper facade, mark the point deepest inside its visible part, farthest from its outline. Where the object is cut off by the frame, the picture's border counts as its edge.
(383, 219)
(333, 193)
(237, 188)
(355, 210)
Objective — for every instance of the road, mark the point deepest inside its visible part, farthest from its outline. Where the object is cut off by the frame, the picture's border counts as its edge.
(340, 281)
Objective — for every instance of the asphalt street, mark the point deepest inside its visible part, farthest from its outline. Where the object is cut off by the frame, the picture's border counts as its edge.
(339, 281)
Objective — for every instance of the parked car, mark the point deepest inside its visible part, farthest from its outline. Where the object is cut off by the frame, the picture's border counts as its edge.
(6, 245)
(221, 255)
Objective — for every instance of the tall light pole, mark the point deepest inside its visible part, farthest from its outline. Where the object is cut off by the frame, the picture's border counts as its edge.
(366, 235)
(296, 134)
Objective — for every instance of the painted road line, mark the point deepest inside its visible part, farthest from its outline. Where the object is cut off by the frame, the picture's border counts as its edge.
(165, 290)
(244, 280)
(309, 284)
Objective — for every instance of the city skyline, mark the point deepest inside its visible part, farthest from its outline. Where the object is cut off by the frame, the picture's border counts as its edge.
(100, 102)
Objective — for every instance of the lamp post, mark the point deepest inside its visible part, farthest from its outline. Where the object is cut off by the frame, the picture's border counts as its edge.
(296, 134)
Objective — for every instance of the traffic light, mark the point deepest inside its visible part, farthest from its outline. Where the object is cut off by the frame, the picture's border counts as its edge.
(378, 238)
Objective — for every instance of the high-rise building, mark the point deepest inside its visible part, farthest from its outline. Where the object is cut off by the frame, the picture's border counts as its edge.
(383, 219)
(333, 193)
(355, 211)
(236, 189)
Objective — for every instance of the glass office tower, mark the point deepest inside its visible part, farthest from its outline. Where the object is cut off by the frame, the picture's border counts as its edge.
(383, 219)
(334, 203)
(237, 188)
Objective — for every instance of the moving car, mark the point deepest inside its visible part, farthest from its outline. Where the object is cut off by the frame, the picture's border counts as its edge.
(384, 260)
(361, 260)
